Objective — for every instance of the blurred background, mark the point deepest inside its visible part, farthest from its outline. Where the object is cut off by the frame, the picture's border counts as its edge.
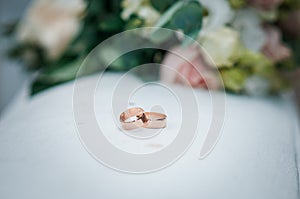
(54, 37)
(252, 143)
(12, 74)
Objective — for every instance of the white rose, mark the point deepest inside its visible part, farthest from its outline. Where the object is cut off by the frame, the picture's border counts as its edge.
(51, 24)
(220, 13)
(222, 45)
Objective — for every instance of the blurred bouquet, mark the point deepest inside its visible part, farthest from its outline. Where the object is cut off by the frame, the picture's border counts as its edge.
(250, 44)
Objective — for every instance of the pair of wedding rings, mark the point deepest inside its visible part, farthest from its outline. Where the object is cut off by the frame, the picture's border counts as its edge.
(136, 117)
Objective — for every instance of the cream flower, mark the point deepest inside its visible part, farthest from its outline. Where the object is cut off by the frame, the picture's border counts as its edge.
(142, 9)
(220, 13)
(51, 24)
(148, 14)
(222, 45)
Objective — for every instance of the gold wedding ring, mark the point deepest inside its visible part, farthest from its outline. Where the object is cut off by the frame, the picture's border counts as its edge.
(136, 117)
(130, 119)
(155, 120)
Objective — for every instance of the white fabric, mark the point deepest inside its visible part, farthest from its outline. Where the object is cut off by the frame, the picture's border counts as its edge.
(41, 155)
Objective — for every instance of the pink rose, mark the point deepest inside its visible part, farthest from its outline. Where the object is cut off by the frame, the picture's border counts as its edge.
(265, 4)
(273, 48)
(195, 72)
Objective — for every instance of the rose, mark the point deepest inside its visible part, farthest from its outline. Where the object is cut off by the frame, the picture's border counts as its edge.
(222, 45)
(189, 67)
(273, 48)
(220, 14)
(51, 25)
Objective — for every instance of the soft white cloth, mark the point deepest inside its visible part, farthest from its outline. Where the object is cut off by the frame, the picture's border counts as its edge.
(41, 155)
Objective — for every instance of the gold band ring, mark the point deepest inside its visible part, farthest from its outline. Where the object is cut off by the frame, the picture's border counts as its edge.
(136, 117)
(131, 118)
(155, 120)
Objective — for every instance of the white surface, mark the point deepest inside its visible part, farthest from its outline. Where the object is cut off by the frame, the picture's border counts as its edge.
(42, 157)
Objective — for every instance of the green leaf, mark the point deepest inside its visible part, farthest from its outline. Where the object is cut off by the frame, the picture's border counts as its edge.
(112, 23)
(160, 36)
(188, 18)
(62, 72)
(167, 16)
(161, 6)
(128, 61)
(95, 7)
(191, 38)
(51, 77)
(185, 16)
